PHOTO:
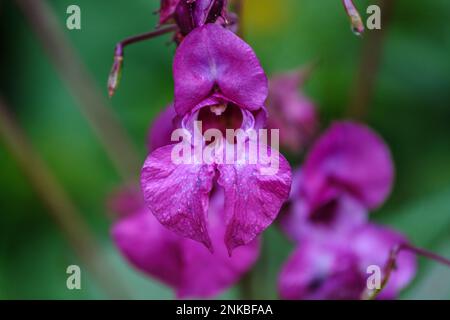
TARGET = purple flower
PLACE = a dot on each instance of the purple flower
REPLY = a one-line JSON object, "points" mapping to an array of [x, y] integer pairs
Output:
{"points": [[336, 267], [348, 172], [291, 111], [184, 265], [191, 14], [219, 81]]}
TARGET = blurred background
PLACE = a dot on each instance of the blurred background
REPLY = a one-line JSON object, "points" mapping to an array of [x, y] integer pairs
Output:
{"points": [[47, 86]]}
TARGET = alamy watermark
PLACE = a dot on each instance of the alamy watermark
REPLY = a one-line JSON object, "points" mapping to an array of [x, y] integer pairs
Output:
{"points": [[73, 21], [374, 280], [238, 147], [73, 281]]}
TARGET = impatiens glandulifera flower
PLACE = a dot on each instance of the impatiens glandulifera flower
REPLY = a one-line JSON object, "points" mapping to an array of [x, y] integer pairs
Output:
{"points": [[355, 19], [335, 267], [219, 81], [348, 172], [291, 111], [180, 263]]}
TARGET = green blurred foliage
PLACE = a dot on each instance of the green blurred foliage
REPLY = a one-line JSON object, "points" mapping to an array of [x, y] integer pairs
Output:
{"points": [[410, 109]]}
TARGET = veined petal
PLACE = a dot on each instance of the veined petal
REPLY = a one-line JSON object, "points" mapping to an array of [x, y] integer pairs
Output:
{"points": [[252, 199], [212, 58], [206, 274], [178, 194]]}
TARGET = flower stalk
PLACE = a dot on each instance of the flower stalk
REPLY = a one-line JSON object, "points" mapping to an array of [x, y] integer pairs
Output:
{"points": [[116, 70]]}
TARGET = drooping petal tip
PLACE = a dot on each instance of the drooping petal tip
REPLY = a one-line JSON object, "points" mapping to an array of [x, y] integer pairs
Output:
{"points": [[252, 200], [178, 194]]}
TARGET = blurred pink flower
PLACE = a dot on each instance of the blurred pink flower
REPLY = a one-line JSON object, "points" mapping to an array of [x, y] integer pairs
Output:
{"points": [[348, 172], [291, 111], [183, 264], [335, 267]]}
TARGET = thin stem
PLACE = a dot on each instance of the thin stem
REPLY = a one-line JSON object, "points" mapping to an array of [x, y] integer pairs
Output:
{"points": [[427, 254], [146, 36], [60, 206], [114, 75], [93, 105], [391, 265], [368, 69]]}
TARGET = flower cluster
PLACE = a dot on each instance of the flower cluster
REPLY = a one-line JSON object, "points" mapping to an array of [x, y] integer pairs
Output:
{"points": [[347, 173], [196, 226]]}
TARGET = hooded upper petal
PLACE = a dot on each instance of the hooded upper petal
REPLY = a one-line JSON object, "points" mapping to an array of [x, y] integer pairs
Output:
{"points": [[178, 194], [212, 59], [253, 199], [349, 158]]}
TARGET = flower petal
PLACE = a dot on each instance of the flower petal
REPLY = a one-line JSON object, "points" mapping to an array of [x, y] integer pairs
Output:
{"points": [[321, 270], [212, 58], [149, 246], [339, 214], [252, 199], [206, 274], [373, 245], [178, 194], [183, 264], [352, 158]]}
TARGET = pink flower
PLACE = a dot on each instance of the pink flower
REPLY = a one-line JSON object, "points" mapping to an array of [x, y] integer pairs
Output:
{"points": [[336, 267], [291, 111], [183, 264], [219, 81], [347, 173]]}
